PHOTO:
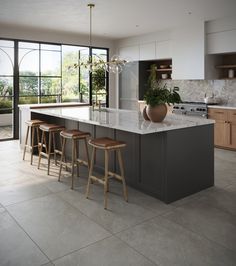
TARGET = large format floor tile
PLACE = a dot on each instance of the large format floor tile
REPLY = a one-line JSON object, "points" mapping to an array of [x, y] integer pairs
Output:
{"points": [[208, 221], [110, 251], [16, 248], [57, 227], [120, 214], [167, 243], [16, 193]]}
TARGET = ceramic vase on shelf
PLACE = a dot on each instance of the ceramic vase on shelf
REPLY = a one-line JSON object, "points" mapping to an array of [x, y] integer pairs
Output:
{"points": [[156, 113]]}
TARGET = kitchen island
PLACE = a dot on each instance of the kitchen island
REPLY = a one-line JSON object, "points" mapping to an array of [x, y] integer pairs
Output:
{"points": [[168, 160]]}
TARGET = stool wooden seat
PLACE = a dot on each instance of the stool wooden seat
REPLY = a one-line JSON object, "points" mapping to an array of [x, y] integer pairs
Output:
{"points": [[33, 127], [107, 145], [51, 129], [75, 135]]}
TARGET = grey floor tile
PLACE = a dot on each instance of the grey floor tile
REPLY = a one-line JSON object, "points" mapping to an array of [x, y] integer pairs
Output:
{"points": [[208, 221], [167, 243], [140, 199], [49, 264], [56, 227], [110, 251], [119, 215], [16, 248], [222, 198], [12, 194]]}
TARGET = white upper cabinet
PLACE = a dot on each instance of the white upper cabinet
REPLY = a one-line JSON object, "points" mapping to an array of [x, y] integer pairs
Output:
{"points": [[147, 51], [130, 52], [163, 50], [221, 42], [188, 49]]}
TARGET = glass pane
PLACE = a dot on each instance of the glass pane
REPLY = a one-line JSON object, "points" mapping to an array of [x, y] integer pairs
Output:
{"points": [[29, 86], [75, 81], [28, 62], [50, 63], [29, 45], [50, 86], [29, 99], [4, 43], [51, 47], [100, 53], [6, 104], [6, 61], [6, 87], [49, 99]]}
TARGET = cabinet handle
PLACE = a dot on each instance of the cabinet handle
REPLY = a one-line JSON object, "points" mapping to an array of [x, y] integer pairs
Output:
{"points": [[219, 112]]}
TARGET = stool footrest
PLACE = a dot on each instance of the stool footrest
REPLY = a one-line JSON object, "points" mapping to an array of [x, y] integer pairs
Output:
{"points": [[99, 180], [82, 162], [111, 174]]}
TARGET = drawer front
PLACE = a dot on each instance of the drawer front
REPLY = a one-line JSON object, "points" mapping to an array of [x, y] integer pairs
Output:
{"points": [[218, 114], [232, 115]]}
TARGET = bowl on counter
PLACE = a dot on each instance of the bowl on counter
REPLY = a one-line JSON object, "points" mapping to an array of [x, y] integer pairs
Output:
{"points": [[163, 66]]}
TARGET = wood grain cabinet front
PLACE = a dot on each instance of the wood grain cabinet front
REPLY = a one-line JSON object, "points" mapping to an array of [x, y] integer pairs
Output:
{"points": [[225, 127]]}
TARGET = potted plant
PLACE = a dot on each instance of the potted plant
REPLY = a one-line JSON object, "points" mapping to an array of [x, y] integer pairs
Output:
{"points": [[157, 97]]}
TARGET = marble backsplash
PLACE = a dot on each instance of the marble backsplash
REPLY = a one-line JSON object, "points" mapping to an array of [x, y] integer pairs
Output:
{"points": [[195, 90]]}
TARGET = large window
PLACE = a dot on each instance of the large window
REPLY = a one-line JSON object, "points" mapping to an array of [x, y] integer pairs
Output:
{"points": [[33, 72], [6, 89]]}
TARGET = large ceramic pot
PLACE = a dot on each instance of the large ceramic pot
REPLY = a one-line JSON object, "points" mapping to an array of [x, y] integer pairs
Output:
{"points": [[157, 113]]}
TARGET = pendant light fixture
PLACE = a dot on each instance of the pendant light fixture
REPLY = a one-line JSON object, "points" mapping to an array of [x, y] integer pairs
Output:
{"points": [[115, 65]]}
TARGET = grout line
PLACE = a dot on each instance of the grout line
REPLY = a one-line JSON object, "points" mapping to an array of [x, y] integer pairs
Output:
{"points": [[69, 253], [28, 235], [199, 234], [138, 252]]}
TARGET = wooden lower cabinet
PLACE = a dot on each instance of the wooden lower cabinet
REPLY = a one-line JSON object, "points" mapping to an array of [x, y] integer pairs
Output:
{"points": [[225, 127]]}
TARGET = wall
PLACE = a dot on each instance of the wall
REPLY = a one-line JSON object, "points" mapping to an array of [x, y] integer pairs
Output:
{"points": [[194, 90], [30, 34]]}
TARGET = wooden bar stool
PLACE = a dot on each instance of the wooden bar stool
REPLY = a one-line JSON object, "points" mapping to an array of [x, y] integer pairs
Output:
{"points": [[32, 127], [51, 129], [74, 135], [107, 145]]}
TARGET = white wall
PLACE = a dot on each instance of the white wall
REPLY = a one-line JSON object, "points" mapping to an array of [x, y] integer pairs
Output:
{"points": [[30, 34]]}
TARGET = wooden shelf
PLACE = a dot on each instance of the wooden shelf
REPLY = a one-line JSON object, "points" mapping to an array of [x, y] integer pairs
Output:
{"points": [[226, 66], [163, 69], [228, 78]]}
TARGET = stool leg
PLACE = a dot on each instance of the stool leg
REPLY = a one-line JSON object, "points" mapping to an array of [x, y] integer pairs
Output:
{"points": [[38, 138], [106, 179], [73, 164], [62, 156], [76, 157], [90, 172], [54, 147], [26, 140], [87, 153], [122, 175], [49, 150], [32, 144], [41, 148]]}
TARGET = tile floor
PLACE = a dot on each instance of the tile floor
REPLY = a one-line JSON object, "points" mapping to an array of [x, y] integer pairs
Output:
{"points": [[43, 222]]}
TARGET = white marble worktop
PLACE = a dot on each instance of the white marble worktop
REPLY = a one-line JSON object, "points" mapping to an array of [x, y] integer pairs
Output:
{"points": [[222, 107], [50, 105], [126, 120]]}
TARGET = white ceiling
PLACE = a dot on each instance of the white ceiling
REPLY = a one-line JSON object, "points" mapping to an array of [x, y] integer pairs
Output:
{"points": [[112, 18]]}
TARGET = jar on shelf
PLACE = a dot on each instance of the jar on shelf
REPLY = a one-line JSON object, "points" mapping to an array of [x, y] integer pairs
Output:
{"points": [[230, 73]]}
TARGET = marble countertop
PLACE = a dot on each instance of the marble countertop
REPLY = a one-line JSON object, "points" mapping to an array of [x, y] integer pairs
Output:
{"points": [[126, 120], [222, 107], [49, 105]]}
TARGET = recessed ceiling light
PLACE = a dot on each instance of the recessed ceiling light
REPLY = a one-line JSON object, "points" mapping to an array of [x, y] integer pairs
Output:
{"points": [[189, 12], [136, 26]]}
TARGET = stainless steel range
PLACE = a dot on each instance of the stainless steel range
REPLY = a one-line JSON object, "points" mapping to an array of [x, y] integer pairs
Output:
{"points": [[191, 108]]}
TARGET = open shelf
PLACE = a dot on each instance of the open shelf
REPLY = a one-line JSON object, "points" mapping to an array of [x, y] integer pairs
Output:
{"points": [[226, 66]]}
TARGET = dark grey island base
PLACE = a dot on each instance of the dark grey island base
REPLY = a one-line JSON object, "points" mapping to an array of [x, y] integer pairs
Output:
{"points": [[168, 165]]}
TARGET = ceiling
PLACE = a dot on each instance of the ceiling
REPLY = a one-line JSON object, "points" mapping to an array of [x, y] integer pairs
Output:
{"points": [[113, 19]]}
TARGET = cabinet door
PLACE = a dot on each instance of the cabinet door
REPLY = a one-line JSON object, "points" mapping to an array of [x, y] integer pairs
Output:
{"points": [[233, 135], [147, 51], [222, 133]]}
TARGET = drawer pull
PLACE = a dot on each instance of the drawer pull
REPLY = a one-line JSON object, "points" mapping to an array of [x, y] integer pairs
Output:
{"points": [[219, 112]]}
